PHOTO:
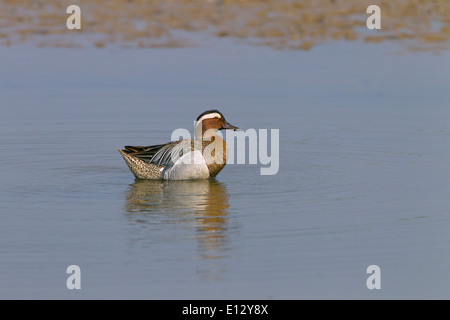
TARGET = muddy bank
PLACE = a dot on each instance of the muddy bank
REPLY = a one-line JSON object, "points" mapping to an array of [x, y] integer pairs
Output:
{"points": [[418, 24]]}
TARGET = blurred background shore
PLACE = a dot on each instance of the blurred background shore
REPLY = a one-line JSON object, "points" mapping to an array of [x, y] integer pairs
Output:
{"points": [[418, 24]]}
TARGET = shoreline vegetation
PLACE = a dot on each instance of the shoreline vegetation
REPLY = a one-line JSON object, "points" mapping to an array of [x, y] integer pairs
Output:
{"points": [[422, 25]]}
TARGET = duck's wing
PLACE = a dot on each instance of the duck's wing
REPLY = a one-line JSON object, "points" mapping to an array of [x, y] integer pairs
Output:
{"points": [[145, 153], [162, 155]]}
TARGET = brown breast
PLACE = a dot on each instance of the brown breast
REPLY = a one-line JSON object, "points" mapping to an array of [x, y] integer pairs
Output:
{"points": [[215, 153]]}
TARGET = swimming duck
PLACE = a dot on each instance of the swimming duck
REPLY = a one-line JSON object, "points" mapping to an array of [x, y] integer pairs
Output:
{"points": [[200, 158]]}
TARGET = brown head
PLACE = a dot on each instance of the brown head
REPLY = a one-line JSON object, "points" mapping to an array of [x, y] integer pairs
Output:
{"points": [[211, 120]]}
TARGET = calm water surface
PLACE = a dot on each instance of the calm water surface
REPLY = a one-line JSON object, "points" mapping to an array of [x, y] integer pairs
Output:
{"points": [[364, 173]]}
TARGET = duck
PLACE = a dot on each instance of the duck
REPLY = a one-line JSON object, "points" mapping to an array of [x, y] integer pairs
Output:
{"points": [[188, 159]]}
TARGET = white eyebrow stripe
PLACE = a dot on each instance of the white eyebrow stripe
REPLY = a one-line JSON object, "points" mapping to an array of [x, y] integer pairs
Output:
{"points": [[210, 116]]}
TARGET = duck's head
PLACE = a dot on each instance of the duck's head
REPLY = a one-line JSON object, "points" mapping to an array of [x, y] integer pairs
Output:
{"points": [[211, 120]]}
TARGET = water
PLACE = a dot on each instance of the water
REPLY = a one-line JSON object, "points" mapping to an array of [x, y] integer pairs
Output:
{"points": [[364, 174]]}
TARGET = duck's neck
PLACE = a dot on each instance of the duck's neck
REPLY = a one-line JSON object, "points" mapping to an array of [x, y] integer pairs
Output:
{"points": [[214, 148]]}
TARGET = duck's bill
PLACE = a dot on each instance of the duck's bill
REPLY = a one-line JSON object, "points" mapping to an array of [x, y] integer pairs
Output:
{"points": [[230, 127]]}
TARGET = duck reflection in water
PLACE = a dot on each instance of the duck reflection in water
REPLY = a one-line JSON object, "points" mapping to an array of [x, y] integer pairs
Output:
{"points": [[201, 205]]}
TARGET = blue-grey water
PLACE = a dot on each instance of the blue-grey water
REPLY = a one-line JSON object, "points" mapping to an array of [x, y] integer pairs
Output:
{"points": [[364, 173]]}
